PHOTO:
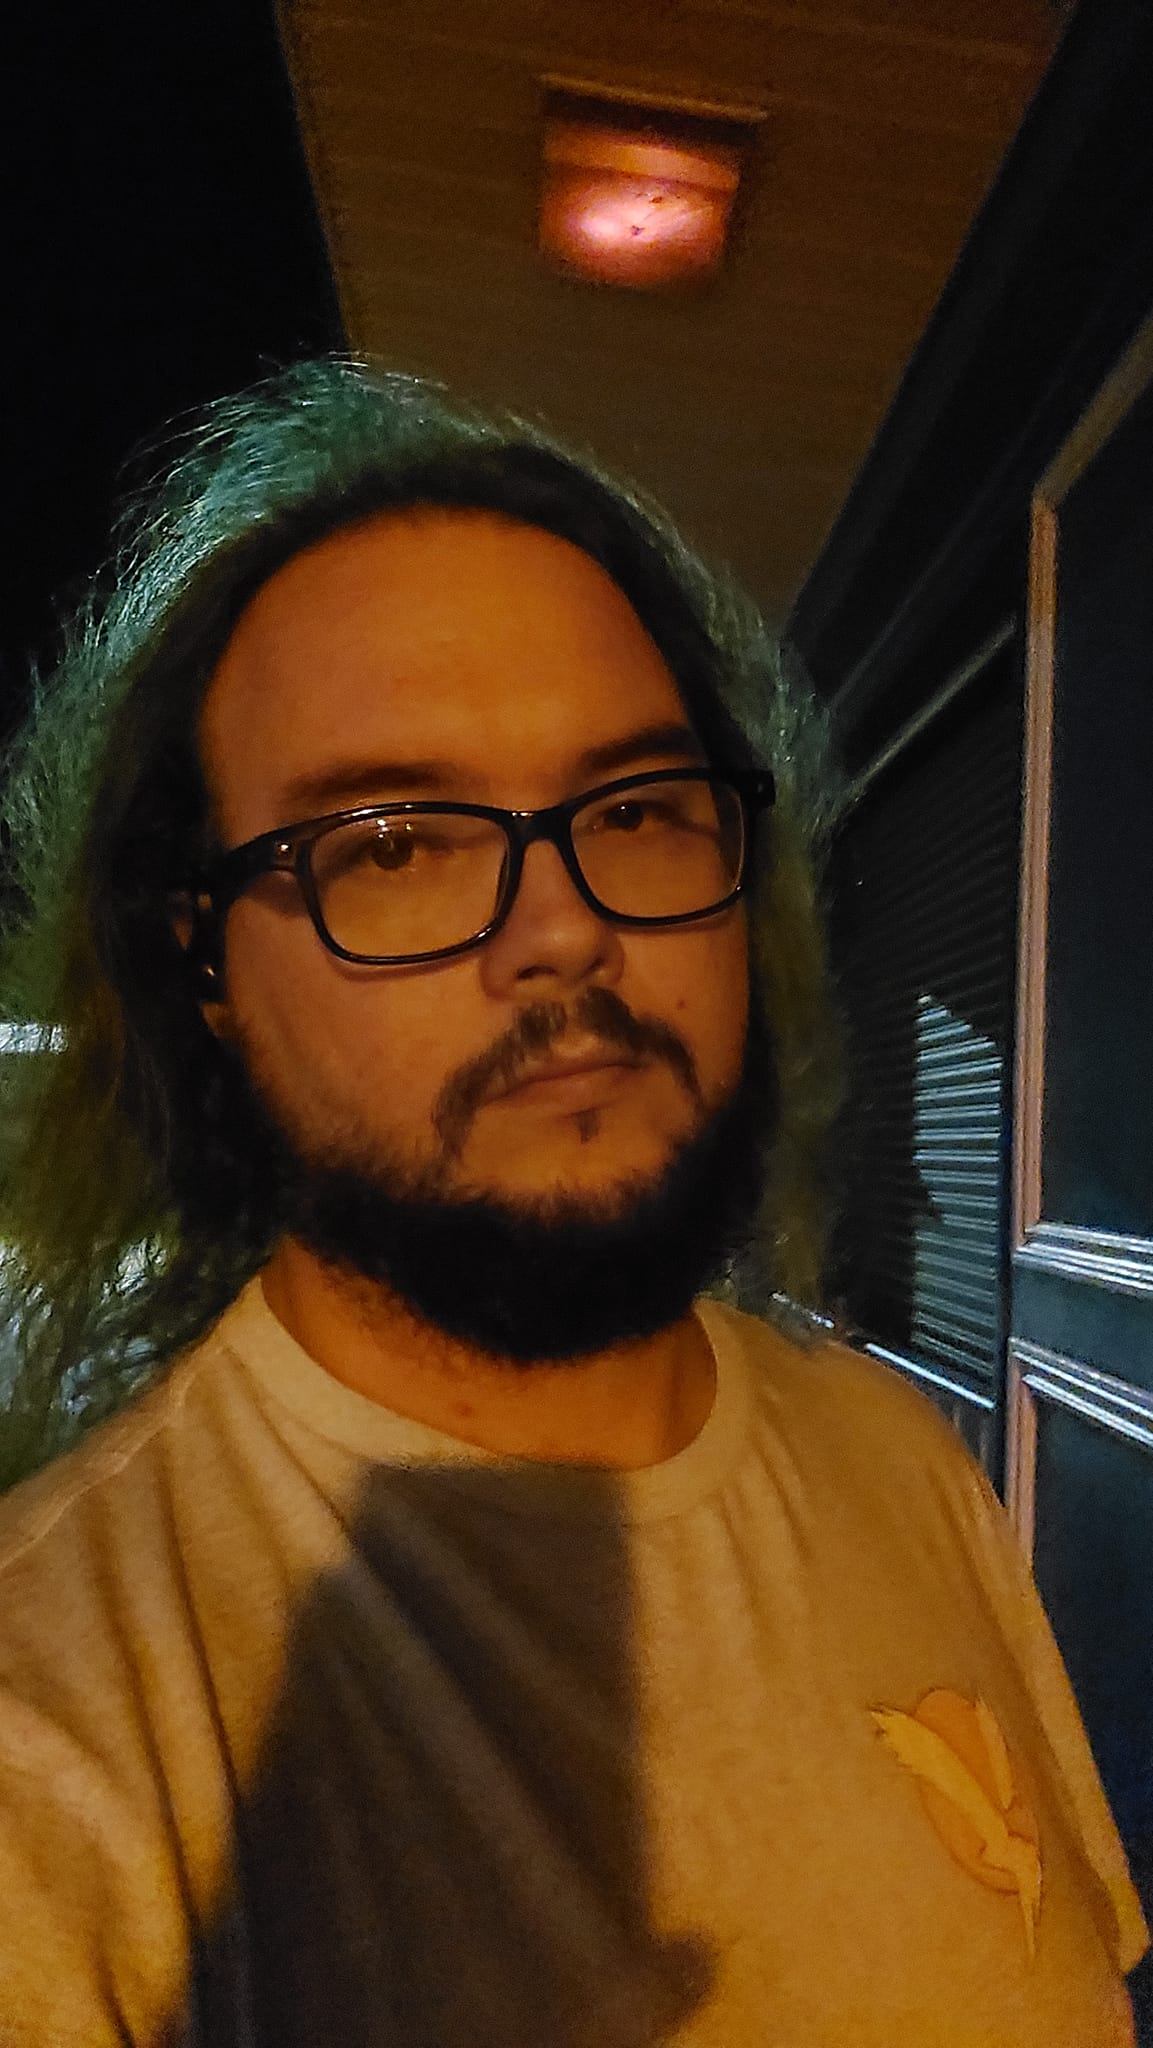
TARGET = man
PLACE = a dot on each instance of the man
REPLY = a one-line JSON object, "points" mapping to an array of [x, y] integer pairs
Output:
{"points": [[474, 1635]]}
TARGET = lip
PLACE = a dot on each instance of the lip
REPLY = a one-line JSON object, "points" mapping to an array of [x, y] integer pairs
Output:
{"points": [[555, 1074]]}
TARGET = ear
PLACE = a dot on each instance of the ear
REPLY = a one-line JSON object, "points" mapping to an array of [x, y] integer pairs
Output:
{"points": [[195, 928]]}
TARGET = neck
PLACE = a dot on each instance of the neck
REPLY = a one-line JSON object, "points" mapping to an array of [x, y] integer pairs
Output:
{"points": [[633, 1405]]}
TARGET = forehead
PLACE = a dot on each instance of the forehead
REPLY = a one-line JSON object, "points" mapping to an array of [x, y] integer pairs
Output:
{"points": [[461, 638]]}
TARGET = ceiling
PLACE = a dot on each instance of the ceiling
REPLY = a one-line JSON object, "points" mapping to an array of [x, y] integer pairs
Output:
{"points": [[747, 405]]}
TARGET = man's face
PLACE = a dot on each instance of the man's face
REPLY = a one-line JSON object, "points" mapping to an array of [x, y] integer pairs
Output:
{"points": [[464, 656]]}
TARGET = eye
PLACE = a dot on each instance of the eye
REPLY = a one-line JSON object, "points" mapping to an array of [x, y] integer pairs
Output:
{"points": [[392, 847], [626, 816]]}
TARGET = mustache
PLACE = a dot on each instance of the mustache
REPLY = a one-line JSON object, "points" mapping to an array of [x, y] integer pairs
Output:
{"points": [[598, 1012]]}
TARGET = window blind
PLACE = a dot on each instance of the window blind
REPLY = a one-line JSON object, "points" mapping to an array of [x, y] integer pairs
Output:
{"points": [[925, 950]]}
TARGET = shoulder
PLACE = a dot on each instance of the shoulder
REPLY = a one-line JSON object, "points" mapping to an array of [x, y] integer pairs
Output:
{"points": [[876, 1462], [38, 1514], [846, 1404]]}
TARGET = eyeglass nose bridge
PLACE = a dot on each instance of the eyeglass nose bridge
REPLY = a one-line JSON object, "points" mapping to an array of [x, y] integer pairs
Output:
{"points": [[554, 823]]}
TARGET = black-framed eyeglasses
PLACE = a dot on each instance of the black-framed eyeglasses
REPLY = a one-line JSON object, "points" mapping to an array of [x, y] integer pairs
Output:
{"points": [[392, 885]]}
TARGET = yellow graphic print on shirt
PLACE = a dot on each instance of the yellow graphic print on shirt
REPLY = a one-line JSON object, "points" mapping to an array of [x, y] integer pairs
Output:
{"points": [[956, 1752]]}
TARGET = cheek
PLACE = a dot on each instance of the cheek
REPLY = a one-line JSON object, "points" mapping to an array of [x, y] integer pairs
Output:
{"points": [[705, 995], [339, 1040]]}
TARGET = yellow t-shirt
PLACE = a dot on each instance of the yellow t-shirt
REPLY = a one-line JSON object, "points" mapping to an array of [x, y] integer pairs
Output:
{"points": [[320, 1727]]}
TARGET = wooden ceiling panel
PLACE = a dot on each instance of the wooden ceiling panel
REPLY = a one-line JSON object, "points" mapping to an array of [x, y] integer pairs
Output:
{"points": [[748, 404], [808, 340], [621, 397], [941, 84], [1021, 26], [817, 316]]}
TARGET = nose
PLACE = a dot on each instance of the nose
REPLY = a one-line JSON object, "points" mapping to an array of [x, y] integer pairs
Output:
{"points": [[552, 942]]}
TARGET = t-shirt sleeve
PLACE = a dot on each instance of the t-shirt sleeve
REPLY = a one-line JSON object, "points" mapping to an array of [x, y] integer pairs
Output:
{"points": [[51, 1990], [1010, 1587], [70, 1859]]}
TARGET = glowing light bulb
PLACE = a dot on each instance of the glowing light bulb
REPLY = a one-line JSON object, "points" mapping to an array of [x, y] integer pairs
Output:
{"points": [[622, 209]]}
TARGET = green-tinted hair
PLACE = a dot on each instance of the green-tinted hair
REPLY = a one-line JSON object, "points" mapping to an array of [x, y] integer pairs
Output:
{"points": [[133, 1197]]}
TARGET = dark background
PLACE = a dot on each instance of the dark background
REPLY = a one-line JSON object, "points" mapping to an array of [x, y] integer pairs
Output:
{"points": [[160, 247], [1099, 995]]}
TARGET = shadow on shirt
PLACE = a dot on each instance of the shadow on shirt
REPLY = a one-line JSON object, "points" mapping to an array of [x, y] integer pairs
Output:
{"points": [[445, 1843]]}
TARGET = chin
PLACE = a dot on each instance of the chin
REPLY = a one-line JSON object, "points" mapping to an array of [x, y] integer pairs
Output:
{"points": [[556, 1270], [585, 1165], [545, 1237], [609, 1180]]}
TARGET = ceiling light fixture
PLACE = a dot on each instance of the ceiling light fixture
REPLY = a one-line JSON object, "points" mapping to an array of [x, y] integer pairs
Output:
{"points": [[638, 191]]}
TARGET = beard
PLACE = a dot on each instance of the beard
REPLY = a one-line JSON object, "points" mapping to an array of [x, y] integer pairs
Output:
{"points": [[558, 1277]]}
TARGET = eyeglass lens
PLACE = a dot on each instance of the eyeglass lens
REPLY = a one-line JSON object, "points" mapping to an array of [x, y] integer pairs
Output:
{"points": [[417, 882]]}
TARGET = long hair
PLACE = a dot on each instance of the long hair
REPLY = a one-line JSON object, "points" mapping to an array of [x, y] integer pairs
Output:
{"points": [[134, 1192]]}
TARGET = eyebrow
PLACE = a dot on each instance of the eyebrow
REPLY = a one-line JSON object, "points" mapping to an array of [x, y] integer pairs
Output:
{"points": [[670, 738], [361, 780]]}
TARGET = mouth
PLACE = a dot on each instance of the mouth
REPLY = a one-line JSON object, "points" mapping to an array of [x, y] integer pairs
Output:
{"points": [[574, 1075]]}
